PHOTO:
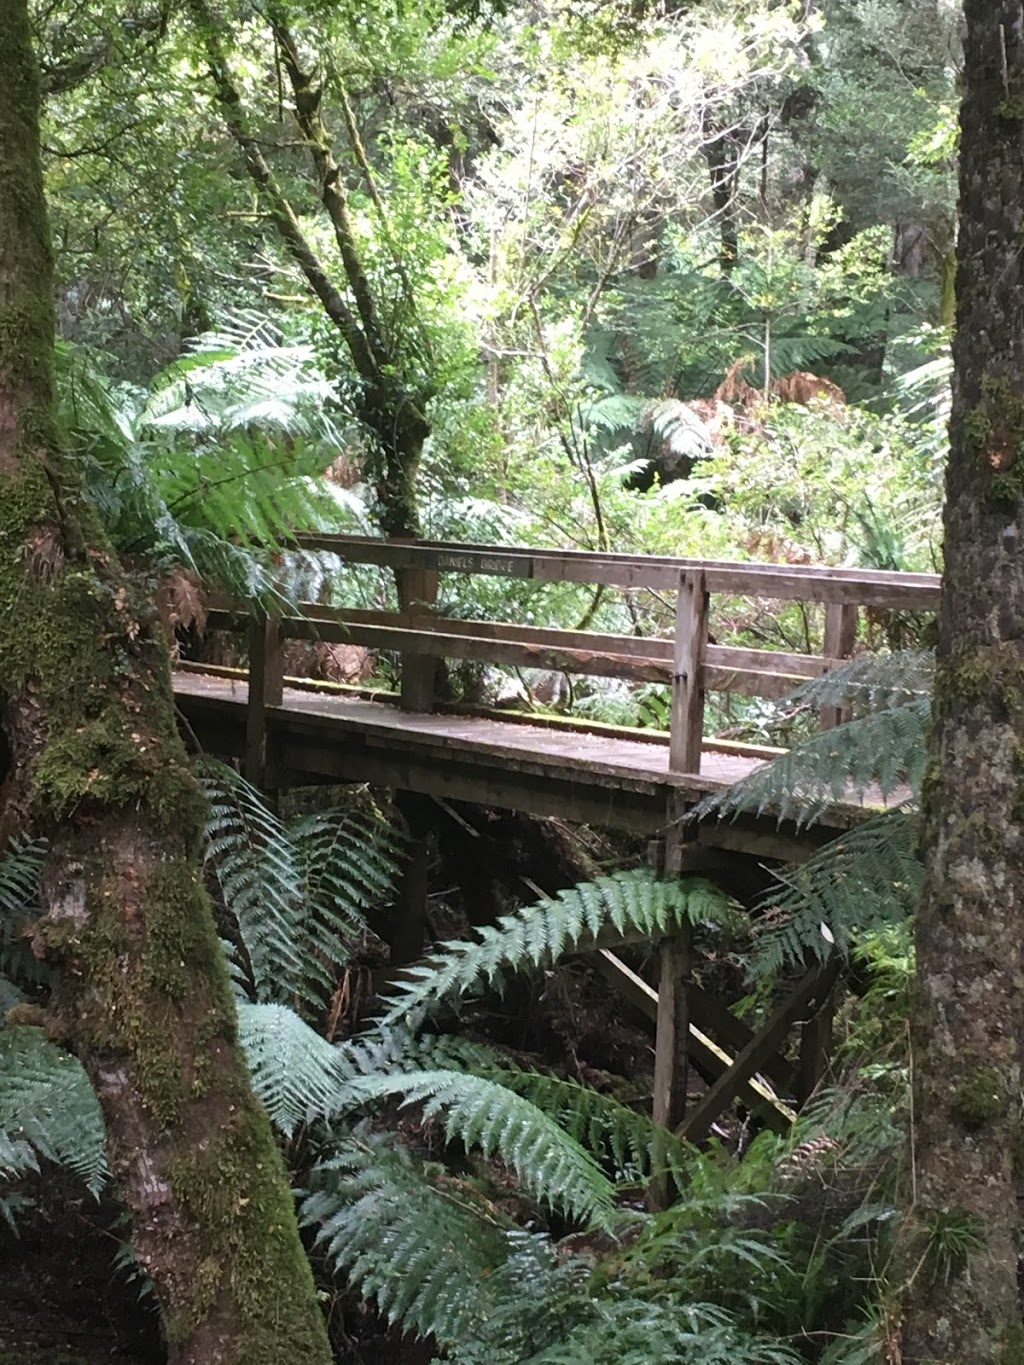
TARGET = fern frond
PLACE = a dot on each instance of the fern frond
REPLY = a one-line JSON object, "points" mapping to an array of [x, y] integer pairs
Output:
{"points": [[422, 1244], [869, 759], [298, 894], [864, 881], [19, 876], [482, 1113], [876, 682], [675, 423], [347, 863], [46, 1101], [623, 1138], [297, 1075], [253, 861], [633, 901], [630, 1329]]}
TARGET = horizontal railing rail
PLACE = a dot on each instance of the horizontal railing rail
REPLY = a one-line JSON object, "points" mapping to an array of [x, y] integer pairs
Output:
{"points": [[688, 663], [790, 582]]}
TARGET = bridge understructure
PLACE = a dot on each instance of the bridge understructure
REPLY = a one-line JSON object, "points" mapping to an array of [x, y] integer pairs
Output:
{"points": [[290, 731]]}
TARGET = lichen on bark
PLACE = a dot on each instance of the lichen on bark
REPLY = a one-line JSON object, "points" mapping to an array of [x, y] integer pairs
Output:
{"points": [[968, 1017], [95, 763]]}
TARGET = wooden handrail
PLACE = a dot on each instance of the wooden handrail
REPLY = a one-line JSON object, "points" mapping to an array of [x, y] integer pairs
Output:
{"points": [[689, 663], [790, 582]]}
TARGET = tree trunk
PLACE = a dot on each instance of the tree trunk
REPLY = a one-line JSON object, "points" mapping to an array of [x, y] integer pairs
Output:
{"points": [[91, 758], [962, 1230]]}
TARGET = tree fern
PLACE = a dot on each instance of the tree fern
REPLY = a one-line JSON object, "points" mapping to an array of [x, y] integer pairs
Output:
{"points": [[19, 876], [296, 1074], [244, 374], [221, 460], [876, 682], [48, 1103], [625, 1139], [19, 881], [869, 759], [626, 1329], [483, 1114], [859, 883], [297, 894], [540, 934], [420, 1243], [255, 866]]}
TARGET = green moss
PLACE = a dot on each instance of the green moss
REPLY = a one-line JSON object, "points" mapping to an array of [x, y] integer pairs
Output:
{"points": [[994, 433], [1011, 108], [247, 1239], [1011, 1347], [979, 1101], [994, 672]]}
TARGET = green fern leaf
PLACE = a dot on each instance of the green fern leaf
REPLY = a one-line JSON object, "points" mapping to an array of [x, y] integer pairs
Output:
{"points": [[423, 1245], [865, 881], [540, 934], [47, 1102], [296, 1074], [481, 1113], [869, 759]]}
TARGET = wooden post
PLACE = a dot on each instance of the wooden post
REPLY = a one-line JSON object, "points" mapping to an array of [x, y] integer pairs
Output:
{"points": [[417, 595], [672, 1019], [815, 1049], [407, 930], [266, 688], [686, 727], [840, 638]]}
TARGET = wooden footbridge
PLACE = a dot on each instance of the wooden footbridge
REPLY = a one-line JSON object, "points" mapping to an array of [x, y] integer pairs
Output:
{"points": [[288, 731]]}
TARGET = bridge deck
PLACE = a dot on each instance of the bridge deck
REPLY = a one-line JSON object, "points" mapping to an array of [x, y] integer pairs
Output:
{"points": [[582, 776]]}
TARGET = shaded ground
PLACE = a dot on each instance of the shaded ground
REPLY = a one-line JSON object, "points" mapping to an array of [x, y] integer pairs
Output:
{"points": [[63, 1298]]}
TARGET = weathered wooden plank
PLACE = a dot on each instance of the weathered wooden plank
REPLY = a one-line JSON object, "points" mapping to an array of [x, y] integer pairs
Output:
{"points": [[686, 726], [840, 638], [724, 657], [707, 1056], [417, 591], [815, 1050], [266, 688], [782, 581], [433, 644], [815, 985], [672, 1032]]}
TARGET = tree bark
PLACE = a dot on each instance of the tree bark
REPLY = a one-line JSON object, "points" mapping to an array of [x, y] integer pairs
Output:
{"points": [[91, 758], [392, 410], [962, 1232]]}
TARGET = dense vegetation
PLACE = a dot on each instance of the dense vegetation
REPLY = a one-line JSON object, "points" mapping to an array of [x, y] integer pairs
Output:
{"points": [[664, 279]]}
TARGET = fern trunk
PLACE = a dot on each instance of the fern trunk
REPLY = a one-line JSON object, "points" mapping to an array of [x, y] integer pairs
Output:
{"points": [[963, 1227], [90, 757]]}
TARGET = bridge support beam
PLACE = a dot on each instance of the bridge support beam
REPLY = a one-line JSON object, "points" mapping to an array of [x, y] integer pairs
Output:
{"points": [[672, 1037], [266, 688], [408, 926]]}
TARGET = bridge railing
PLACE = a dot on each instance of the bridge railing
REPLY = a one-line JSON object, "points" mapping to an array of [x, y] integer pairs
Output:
{"points": [[689, 663]]}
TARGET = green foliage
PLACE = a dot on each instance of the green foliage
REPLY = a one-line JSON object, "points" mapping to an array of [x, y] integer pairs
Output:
{"points": [[296, 894], [19, 881], [871, 757], [538, 935], [481, 1113], [48, 1110], [217, 464], [622, 1138], [296, 1073], [863, 882]]}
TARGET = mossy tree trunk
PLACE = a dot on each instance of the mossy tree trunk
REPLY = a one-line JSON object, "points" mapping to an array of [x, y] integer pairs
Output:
{"points": [[90, 757], [391, 406], [967, 1156]]}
